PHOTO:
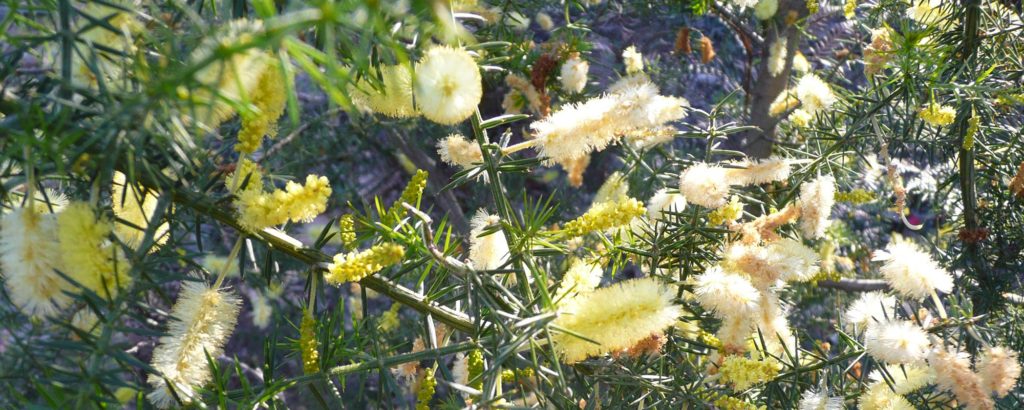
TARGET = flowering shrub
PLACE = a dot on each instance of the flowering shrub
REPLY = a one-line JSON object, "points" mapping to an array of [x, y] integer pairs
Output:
{"points": [[511, 204]]}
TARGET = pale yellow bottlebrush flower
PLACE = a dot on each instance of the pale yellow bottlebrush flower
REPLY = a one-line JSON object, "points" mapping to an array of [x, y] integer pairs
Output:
{"points": [[354, 266], [777, 57], [87, 254], [582, 277], [447, 85], [459, 151], [771, 323], [869, 309], [814, 94], [664, 201], [800, 63], [268, 99], [911, 271], [758, 172], [617, 317], [394, 99], [897, 342], [544, 21], [800, 118], [999, 369], [937, 115], [135, 205], [782, 260], [953, 374], [29, 255], [850, 9], [490, 251], [726, 294], [262, 310], [574, 73], [633, 60], [705, 185], [202, 320], [816, 200]]}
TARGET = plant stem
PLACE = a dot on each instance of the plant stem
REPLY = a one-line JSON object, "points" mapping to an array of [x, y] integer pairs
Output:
{"points": [[227, 265]]}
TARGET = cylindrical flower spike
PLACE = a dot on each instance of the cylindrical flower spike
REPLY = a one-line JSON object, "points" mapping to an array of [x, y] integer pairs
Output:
{"points": [[355, 266]]}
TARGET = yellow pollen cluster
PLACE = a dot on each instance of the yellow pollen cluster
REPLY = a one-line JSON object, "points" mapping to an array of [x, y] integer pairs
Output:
{"points": [[347, 229], [308, 344], [355, 266], [605, 215], [742, 372], [938, 115], [727, 213], [298, 203], [269, 98], [411, 195]]}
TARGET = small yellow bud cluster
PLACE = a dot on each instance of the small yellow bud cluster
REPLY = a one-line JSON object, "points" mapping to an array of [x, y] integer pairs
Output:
{"points": [[725, 402], [856, 196], [355, 266], [726, 214], [248, 176], [510, 376], [475, 365], [298, 203], [605, 215], [269, 98], [347, 228], [938, 115], [426, 390], [742, 372], [308, 344], [411, 195], [389, 320]]}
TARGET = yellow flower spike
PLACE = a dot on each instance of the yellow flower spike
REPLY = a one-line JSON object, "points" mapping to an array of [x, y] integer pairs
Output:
{"points": [[742, 372], [604, 216], [389, 321], [308, 343], [347, 227], [269, 98], [355, 266], [87, 254], [426, 390], [937, 115], [475, 366], [411, 195]]}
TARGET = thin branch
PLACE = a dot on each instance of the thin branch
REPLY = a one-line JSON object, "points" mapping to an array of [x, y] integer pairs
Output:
{"points": [[854, 285]]}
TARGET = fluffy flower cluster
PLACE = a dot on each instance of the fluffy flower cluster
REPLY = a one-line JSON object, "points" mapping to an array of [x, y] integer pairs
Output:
{"points": [[777, 57], [616, 317], [297, 203], [758, 172], [91, 63], [814, 94], [897, 342], [87, 254], [202, 321], [487, 251], [393, 98], [708, 185], [29, 254], [870, 308], [578, 129], [911, 271], [574, 74], [664, 201], [459, 151], [953, 373], [820, 400], [355, 266], [448, 86], [928, 12], [816, 200], [581, 278], [268, 99], [633, 59]]}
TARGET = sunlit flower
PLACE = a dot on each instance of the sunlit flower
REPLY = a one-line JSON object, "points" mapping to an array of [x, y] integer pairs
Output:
{"points": [[297, 203], [800, 63], [911, 271], [705, 185], [616, 317], [226, 82], [487, 251], [999, 369], [308, 343], [800, 118], [820, 400], [91, 62], [544, 21], [929, 12], [459, 151], [605, 215], [814, 94], [938, 115], [268, 99], [28, 256], [878, 396], [897, 341], [879, 52], [614, 189], [201, 322], [816, 200], [727, 294], [448, 86], [728, 213], [354, 266], [633, 59], [953, 373], [582, 277], [574, 74], [742, 372], [663, 201], [759, 171], [905, 379], [870, 308]]}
